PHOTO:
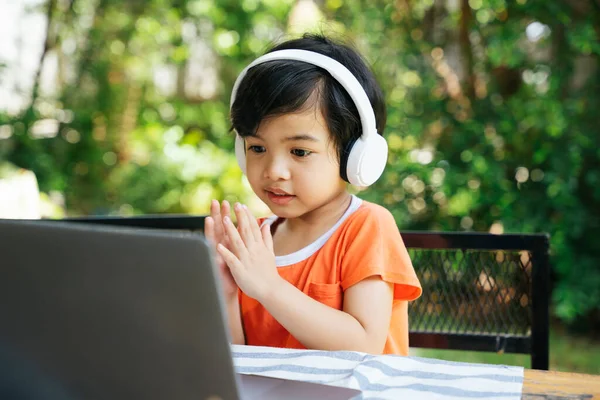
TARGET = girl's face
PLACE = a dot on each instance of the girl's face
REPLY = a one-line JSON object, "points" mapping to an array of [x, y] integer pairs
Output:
{"points": [[291, 164]]}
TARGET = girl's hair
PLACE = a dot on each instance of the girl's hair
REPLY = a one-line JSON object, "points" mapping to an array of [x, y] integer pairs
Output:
{"points": [[280, 87]]}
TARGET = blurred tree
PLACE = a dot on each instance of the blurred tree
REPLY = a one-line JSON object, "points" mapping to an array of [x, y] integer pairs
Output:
{"points": [[492, 124], [492, 112]]}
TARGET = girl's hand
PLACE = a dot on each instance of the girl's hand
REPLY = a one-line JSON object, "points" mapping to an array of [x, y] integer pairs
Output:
{"points": [[250, 255], [215, 234]]}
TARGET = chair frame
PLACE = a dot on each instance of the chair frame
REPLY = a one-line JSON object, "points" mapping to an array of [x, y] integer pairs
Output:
{"points": [[536, 344]]}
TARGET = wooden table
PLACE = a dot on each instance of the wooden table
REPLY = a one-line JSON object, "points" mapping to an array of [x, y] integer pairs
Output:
{"points": [[553, 385]]}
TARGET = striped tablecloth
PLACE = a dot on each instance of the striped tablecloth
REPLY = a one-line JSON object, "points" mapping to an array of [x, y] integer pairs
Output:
{"points": [[384, 377]]}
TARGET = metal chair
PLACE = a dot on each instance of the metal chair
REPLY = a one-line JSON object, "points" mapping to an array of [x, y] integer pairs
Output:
{"points": [[482, 292]]}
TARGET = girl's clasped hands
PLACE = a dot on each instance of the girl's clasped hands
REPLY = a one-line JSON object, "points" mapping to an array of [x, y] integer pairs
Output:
{"points": [[244, 254]]}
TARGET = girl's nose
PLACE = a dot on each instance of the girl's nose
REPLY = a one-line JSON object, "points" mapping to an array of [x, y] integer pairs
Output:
{"points": [[277, 169]]}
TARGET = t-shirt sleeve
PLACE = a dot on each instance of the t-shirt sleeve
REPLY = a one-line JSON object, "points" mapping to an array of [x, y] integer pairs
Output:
{"points": [[375, 248]]}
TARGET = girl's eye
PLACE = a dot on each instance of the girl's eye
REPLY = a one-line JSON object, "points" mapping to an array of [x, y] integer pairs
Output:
{"points": [[301, 152], [256, 149]]}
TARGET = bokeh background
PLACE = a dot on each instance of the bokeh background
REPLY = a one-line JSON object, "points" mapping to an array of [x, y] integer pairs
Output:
{"points": [[121, 108]]}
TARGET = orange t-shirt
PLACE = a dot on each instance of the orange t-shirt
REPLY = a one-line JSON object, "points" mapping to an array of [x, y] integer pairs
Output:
{"points": [[365, 242]]}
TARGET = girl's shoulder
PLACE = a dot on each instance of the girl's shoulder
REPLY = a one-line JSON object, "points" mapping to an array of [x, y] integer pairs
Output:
{"points": [[371, 215]]}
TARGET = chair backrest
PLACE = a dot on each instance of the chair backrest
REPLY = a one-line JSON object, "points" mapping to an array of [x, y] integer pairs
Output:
{"points": [[481, 292]]}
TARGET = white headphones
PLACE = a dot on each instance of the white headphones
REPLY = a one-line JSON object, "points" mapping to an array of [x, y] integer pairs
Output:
{"points": [[366, 158]]}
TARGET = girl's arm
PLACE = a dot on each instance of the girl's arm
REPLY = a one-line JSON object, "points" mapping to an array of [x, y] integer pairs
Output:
{"points": [[363, 324], [234, 319]]}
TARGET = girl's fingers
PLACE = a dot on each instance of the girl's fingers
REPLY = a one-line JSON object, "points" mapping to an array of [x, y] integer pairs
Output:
{"points": [[225, 211], [265, 231], [225, 208], [215, 213], [209, 229], [215, 210], [209, 233], [253, 224], [236, 243], [226, 242], [244, 225], [231, 260]]}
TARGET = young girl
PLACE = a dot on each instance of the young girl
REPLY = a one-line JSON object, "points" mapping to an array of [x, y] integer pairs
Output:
{"points": [[328, 270]]}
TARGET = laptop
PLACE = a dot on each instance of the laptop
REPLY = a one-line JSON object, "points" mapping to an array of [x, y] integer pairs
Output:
{"points": [[89, 311]]}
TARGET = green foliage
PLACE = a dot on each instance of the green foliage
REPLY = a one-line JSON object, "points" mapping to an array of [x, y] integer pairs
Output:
{"points": [[487, 130], [514, 147]]}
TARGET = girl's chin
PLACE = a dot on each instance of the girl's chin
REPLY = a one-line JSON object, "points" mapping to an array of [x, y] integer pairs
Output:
{"points": [[283, 211]]}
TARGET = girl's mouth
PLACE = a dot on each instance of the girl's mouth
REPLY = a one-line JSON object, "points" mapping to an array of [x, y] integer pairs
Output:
{"points": [[280, 199]]}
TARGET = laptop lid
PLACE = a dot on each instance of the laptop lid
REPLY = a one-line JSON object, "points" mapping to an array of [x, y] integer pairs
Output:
{"points": [[193, 223], [98, 312]]}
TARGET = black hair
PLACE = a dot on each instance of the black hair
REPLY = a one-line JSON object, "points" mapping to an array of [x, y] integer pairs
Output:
{"points": [[283, 86]]}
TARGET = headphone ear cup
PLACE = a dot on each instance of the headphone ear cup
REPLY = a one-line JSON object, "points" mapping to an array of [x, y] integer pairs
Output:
{"points": [[240, 152], [367, 160]]}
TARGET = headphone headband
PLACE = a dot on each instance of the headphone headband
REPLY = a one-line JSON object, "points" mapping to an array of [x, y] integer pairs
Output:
{"points": [[335, 68]]}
